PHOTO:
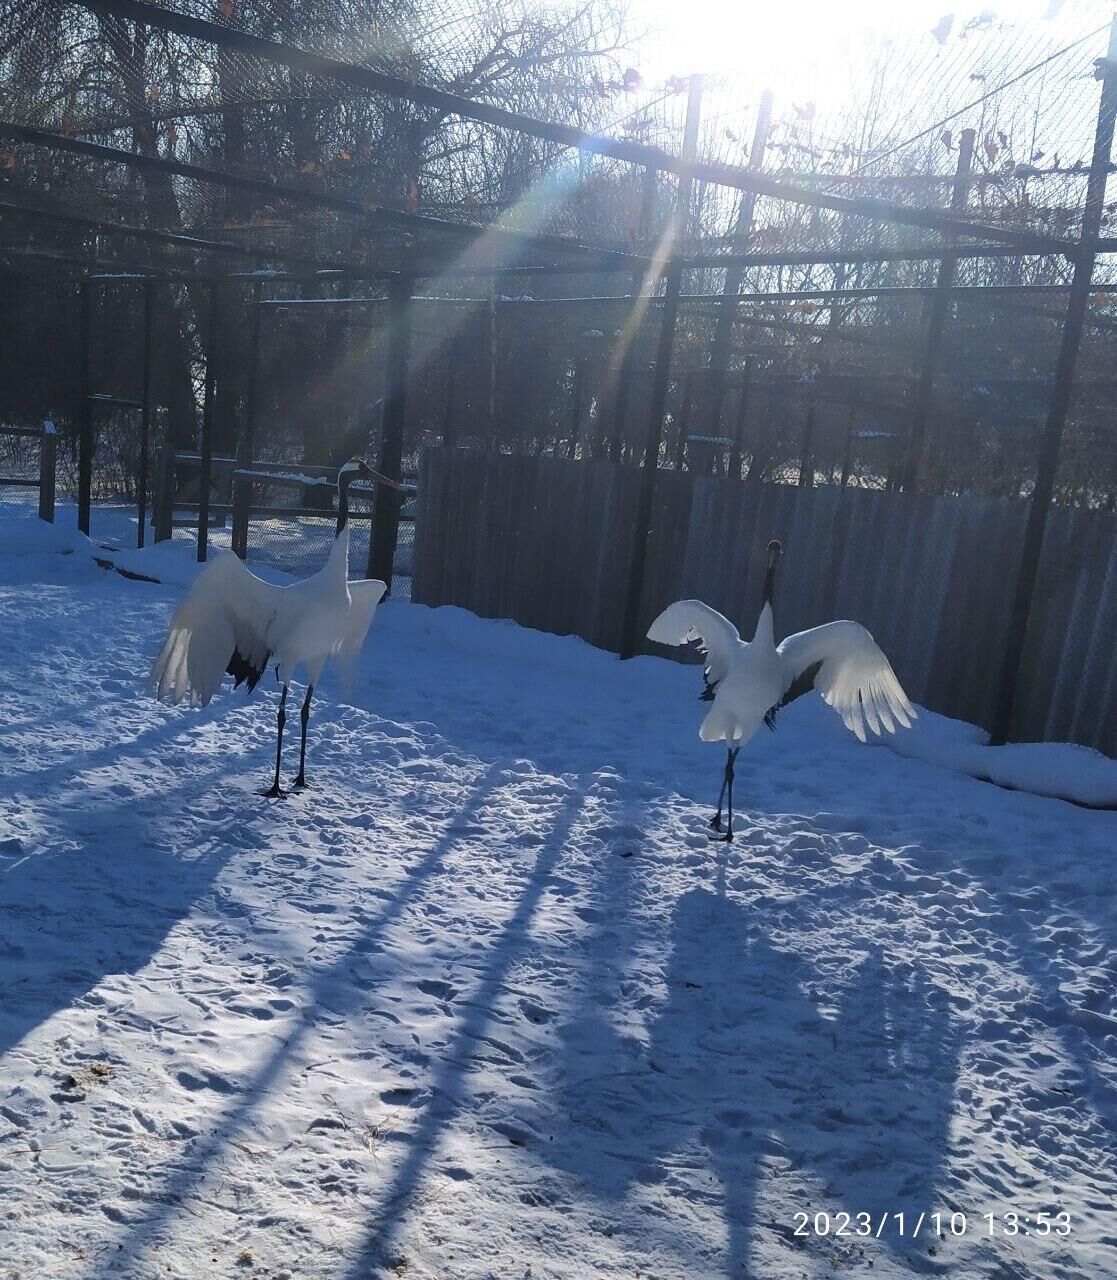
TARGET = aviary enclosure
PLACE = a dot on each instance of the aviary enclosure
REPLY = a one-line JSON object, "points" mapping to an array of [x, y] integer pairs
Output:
{"points": [[617, 334]]}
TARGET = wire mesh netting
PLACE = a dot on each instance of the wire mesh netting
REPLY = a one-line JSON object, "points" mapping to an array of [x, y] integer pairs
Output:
{"points": [[1026, 88], [19, 475], [135, 150]]}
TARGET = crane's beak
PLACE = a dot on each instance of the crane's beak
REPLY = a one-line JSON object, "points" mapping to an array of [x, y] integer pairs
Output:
{"points": [[377, 477]]}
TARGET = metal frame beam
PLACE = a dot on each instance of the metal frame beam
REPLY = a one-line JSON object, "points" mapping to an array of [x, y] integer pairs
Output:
{"points": [[566, 135], [687, 262], [392, 219], [100, 226]]}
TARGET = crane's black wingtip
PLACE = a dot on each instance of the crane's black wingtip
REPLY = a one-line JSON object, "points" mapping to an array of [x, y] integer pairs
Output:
{"points": [[245, 672]]}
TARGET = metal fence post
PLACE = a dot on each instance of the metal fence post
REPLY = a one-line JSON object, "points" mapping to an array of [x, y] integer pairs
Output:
{"points": [[727, 311], [806, 449], [48, 461], [494, 366], [626, 374], [207, 428], [577, 405], [85, 410], [145, 413], [246, 445], [684, 405], [385, 521], [847, 455], [450, 411], [162, 513], [940, 304], [740, 422], [1062, 388], [630, 640]]}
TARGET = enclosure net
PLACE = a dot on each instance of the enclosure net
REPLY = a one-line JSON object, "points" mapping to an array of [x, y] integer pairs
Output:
{"points": [[1025, 88], [128, 149]]}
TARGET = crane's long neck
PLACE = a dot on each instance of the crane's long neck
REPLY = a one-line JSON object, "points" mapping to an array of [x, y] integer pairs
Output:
{"points": [[338, 562], [770, 584], [765, 624], [342, 504]]}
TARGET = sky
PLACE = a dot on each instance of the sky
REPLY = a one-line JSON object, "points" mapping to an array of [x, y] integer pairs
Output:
{"points": [[798, 43]]}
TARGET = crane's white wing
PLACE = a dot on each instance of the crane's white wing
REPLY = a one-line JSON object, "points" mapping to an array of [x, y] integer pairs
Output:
{"points": [[687, 620], [851, 673], [221, 626]]}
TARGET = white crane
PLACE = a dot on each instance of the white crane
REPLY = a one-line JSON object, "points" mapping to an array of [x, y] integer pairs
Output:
{"points": [[749, 682], [232, 622]]}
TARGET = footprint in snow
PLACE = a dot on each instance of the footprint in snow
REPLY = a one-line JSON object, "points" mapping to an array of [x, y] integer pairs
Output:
{"points": [[205, 1080], [536, 1013], [402, 1096]]}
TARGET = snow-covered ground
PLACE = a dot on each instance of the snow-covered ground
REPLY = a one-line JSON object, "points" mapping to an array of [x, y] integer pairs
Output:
{"points": [[486, 1003]]}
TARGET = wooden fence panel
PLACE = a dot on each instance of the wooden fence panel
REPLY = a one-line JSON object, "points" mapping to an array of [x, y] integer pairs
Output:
{"points": [[548, 543], [1070, 659]]}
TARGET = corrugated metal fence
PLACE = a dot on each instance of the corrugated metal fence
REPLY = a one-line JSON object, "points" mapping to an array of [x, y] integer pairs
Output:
{"points": [[548, 542]]}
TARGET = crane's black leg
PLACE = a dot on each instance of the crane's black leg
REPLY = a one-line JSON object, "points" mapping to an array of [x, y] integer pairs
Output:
{"points": [[715, 821], [726, 787], [304, 716], [281, 720]]}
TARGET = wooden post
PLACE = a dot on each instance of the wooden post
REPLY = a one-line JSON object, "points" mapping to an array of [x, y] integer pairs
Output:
{"points": [[207, 428], [1048, 462], [727, 311], [145, 412], [631, 638], [246, 445], [85, 409], [385, 523], [164, 497], [48, 461], [940, 305]]}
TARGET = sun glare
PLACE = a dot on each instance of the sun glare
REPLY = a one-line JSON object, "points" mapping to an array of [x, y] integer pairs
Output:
{"points": [[804, 41]]}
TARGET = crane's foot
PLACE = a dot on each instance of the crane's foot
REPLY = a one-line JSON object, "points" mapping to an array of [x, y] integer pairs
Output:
{"points": [[275, 792], [715, 822], [300, 783], [725, 839]]}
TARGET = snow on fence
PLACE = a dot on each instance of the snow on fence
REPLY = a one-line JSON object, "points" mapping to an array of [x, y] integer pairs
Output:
{"points": [[548, 543]]}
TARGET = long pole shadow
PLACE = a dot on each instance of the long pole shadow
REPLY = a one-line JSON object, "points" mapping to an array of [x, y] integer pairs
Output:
{"points": [[447, 1084], [53, 919], [186, 1179], [178, 725]]}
